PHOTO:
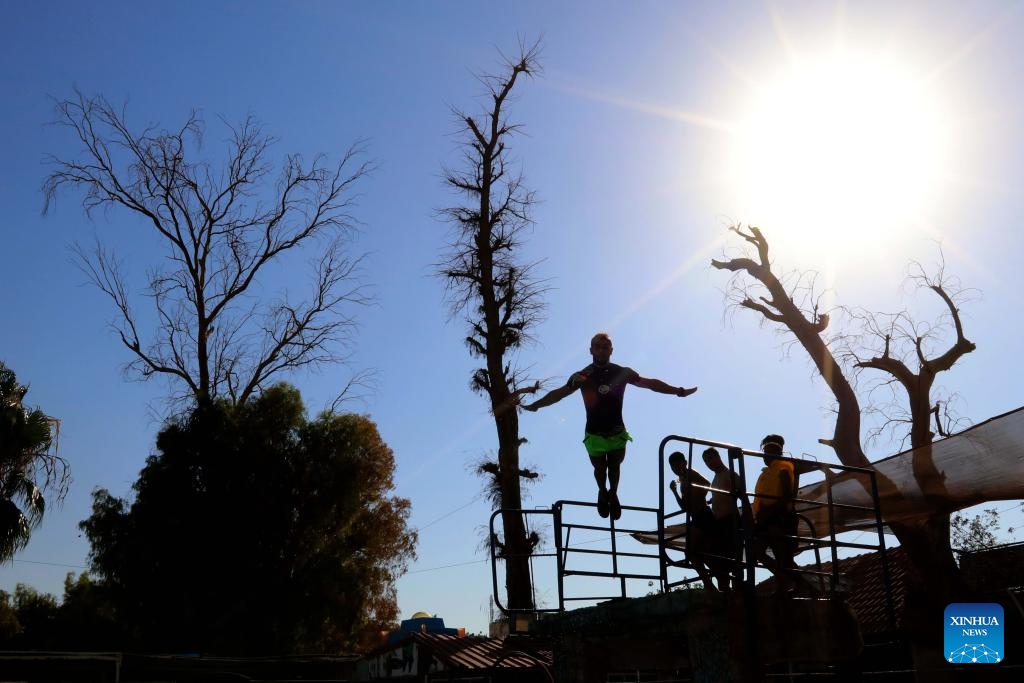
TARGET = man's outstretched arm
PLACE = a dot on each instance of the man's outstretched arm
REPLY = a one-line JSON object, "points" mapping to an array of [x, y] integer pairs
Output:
{"points": [[552, 397], [661, 387]]}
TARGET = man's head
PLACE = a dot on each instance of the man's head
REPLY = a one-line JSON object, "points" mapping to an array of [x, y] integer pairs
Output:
{"points": [[771, 446], [601, 348], [713, 460], [677, 463]]}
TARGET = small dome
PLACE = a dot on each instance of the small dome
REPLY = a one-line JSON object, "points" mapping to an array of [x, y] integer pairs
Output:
{"points": [[422, 615]]}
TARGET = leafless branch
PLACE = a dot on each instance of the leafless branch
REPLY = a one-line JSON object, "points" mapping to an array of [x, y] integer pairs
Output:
{"points": [[222, 228], [907, 353]]}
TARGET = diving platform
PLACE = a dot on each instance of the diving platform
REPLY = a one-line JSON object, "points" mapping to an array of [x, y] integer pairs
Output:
{"points": [[629, 597], [625, 602]]}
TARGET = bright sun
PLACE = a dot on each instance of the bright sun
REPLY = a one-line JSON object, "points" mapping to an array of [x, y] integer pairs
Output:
{"points": [[838, 152]]}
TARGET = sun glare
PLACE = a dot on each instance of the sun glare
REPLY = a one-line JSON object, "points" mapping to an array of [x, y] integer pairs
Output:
{"points": [[838, 152]]}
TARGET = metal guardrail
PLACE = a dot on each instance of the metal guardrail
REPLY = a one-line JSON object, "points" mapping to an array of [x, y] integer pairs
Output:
{"points": [[564, 551], [736, 462]]}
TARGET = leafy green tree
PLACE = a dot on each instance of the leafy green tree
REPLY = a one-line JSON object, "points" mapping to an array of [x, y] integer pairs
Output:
{"points": [[83, 621], [10, 627], [87, 620], [974, 533], [254, 531], [29, 465], [38, 615]]}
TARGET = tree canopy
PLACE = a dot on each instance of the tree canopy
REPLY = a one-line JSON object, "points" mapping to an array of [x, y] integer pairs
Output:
{"points": [[83, 621], [254, 530], [29, 465]]}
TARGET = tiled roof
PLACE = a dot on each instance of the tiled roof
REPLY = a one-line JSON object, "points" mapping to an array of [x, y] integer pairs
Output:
{"points": [[866, 597], [862, 582], [475, 652], [994, 569]]}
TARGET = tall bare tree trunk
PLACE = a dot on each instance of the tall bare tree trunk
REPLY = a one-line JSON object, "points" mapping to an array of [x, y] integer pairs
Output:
{"points": [[500, 298], [518, 547]]}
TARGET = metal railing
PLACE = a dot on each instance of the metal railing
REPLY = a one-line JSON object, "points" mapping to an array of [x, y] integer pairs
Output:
{"points": [[566, 554], [743, 527], [671, 553]]}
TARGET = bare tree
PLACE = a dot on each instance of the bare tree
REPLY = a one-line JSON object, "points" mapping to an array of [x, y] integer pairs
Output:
{"points": [[909, 354], [222, 228], [500, 297]]}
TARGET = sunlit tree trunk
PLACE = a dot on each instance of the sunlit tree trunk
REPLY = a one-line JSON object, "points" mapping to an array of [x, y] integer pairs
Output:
{"points": [[499, 296], [938, 579]]}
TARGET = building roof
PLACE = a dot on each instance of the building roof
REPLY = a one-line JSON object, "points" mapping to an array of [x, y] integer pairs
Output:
{"points": [[862, 581], [419, 624], [477, 652], [999, 567], [995, 569], [867, 596]]}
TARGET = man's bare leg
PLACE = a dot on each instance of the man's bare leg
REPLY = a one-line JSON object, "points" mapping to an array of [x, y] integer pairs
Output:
{"points": [[615, 459], [600, 463]]}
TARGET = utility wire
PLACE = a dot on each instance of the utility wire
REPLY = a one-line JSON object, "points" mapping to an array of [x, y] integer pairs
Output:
{"points": [[449, 514], [446, 566], [463, 564], [52, 564]]}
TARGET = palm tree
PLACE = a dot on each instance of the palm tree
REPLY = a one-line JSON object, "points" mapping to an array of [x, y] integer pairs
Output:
{"points": [[29, 465]]}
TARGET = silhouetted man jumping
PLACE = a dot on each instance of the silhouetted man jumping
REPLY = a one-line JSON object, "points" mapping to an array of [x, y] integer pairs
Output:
{"points": [[603, 385]]}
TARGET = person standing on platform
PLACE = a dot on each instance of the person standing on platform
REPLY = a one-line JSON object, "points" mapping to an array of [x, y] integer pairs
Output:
{"points": [[775, 520]]}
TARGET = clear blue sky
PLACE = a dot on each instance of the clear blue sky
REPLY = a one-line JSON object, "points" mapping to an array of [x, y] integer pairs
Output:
{"points": [[641, 138]]}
